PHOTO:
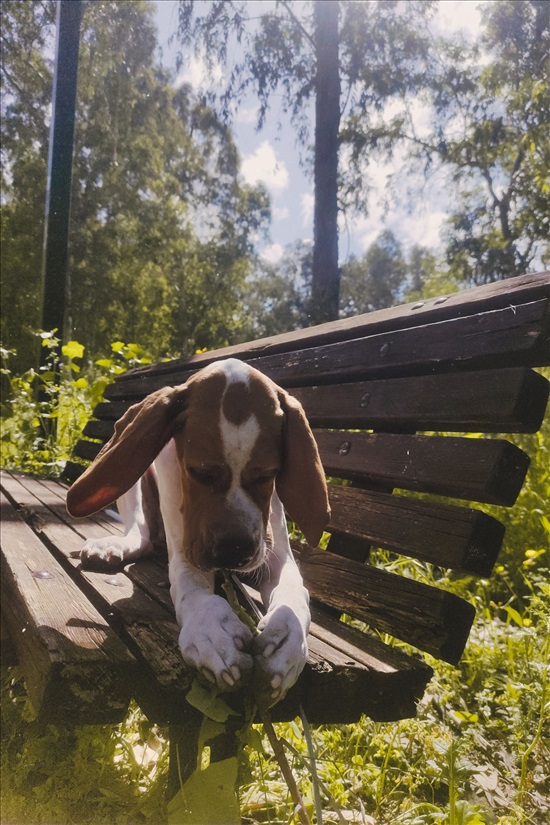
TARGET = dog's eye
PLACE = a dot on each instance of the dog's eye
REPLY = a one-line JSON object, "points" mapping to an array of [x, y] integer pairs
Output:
{"points": [[264, 478], [204, 475]]}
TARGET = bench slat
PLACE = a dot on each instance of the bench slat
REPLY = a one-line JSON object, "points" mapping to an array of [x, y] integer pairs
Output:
{"points": [[498, 338], [491, 401], [460, 538], [76, 668], [484, 470], [488, 401], [431, 619], [497, 295]]}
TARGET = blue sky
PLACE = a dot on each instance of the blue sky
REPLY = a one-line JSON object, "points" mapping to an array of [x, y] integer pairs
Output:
{"points": [[271, 156]]}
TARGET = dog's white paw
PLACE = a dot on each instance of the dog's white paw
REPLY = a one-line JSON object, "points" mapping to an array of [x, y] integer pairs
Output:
{"points": [[111, 551], [280, 653], [214, 641]]}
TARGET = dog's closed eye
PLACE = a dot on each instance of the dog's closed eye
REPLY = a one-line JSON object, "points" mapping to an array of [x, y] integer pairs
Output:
{"points": [[208, 476]]}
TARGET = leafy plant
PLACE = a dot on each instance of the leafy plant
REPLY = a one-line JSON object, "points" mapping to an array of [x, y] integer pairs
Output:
{"points": [[46, 409]]}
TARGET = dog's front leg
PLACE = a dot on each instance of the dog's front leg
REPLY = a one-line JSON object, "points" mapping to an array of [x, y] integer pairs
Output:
{"points": [[281, 647], [112, 551], [212, 639]]}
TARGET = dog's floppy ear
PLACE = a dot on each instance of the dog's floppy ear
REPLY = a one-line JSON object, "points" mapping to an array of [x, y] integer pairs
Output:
{"points": [[139, 437], [301, 484]]}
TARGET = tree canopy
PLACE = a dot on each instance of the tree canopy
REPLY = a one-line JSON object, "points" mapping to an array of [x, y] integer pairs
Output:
{"points": [[162, 223], [164, 228]]}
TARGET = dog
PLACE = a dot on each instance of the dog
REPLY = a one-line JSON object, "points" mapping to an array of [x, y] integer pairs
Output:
{"points": [[221, 456]]}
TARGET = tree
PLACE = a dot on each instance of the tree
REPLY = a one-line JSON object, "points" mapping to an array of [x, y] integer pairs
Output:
{"points": [[306, 51], [278, 297], [162, 226], [489, 105], [388, 275], [326, 280], [501, 156], [26, 36], [377, 280]]}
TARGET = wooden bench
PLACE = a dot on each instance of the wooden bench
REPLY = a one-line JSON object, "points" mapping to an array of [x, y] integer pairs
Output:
{"points": [[376, 388]]}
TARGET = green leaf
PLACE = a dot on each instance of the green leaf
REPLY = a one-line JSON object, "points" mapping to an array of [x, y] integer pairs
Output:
{"points": [[209, 730], [208, 701], [208, 797], [73, 350], [117, 346], [513, 615]]}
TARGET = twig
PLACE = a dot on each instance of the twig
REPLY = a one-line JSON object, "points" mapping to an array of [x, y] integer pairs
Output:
{"points": [[313, 767], [286, 770]]}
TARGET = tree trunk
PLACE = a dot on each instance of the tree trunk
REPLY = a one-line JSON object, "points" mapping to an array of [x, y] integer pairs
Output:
{"points": [[326, 275]]}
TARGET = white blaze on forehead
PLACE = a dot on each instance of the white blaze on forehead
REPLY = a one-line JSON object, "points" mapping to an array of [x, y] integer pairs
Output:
{"points": [[238, 442], [238, 439]]}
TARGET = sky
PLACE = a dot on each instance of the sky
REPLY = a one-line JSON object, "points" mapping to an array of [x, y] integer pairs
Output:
{"points": [[270, 156]]}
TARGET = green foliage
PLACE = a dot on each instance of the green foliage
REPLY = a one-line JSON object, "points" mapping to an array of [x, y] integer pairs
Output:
{"points": [[89, 775], [45, 410], [162, 224]]}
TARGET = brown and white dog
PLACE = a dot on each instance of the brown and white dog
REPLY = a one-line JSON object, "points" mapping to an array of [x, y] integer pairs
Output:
{"points": [[222, 455]]}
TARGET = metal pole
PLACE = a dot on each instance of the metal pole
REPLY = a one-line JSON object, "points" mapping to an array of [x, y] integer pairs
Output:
{"points": [[58, 193]]}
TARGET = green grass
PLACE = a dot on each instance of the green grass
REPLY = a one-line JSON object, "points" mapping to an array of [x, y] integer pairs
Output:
{"points": [[477, 752]]}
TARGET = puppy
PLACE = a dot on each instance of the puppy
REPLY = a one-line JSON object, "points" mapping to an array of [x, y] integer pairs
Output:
{"points": [[228, 452]]}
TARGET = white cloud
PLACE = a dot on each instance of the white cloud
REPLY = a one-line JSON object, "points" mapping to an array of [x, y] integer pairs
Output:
{"points": [[456, 15], [263, 166], [247, 115], [195, 72], [280, 213], [272, 253]]}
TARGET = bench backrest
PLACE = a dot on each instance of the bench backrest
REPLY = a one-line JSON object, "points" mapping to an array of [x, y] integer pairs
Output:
{"points": [[377, 390]]}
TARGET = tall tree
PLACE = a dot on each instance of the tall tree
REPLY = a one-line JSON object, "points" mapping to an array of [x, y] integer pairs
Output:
{"points": [[27, 37], [308, 50]]}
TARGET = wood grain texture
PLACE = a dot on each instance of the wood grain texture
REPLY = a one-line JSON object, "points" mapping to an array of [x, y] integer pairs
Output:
{"points": [[496, 338], [387, 602], [75, 666], [460, 538], [484, 470]]}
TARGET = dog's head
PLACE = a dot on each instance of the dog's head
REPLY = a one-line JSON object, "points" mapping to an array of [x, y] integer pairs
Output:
{"points": [[238, 437]]}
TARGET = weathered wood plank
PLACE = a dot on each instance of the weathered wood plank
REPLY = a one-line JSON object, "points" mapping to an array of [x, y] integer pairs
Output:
{"points": [[376, 686], [387, 602], [498, 295], [499, 338], [508, 401], [150, 632], [484, 470], [76, 669], [460, 538]]}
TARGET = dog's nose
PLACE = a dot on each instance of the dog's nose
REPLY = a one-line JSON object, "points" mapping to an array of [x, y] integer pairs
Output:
{"points": [[234, 552]]}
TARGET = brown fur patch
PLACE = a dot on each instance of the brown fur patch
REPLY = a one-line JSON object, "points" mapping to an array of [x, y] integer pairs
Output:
{"points": [[236, 405]]}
